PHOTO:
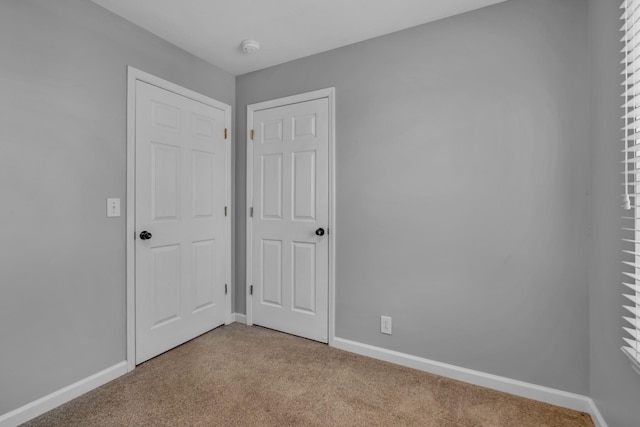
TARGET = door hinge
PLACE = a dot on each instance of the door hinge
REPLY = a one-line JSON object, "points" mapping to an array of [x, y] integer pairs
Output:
{"points": [[251, 290], [225, 211], [252, 134], [251, 212], [225, 289], [225, 133]]}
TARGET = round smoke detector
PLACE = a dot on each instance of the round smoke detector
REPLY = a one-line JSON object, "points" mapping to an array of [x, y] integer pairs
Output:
{"points": [[250, 46]]}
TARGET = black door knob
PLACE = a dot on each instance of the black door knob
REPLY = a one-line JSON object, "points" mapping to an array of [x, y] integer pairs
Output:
{"points": [[145, 235], [320, 232]]}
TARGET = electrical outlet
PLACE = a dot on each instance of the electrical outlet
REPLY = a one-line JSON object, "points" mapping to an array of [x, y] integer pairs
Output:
{"points": [[385, 325]]}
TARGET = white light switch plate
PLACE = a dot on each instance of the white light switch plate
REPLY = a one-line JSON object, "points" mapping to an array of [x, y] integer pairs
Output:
{"points": [[113, 208]]}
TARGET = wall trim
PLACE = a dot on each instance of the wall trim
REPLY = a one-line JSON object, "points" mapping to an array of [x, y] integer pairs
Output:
{"points": [[565, 399], [59, 397], [240, 318], [596, 416]]}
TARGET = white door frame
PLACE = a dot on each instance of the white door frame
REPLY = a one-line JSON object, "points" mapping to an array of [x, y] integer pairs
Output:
{"points": [[328, 93], [134, 75]]}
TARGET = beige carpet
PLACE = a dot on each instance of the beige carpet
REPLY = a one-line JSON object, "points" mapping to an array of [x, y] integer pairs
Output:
{"points": [[249, 376]]}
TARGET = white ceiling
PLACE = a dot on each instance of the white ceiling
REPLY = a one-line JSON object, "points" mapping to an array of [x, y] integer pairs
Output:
{"points": [[286, 29]]}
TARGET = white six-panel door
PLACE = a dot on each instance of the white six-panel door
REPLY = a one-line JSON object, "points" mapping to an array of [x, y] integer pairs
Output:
{"points": [[180, 194], [289, 244]]}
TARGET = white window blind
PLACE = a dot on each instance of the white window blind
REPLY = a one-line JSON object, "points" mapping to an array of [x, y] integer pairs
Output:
{"points": [[631, 172]]}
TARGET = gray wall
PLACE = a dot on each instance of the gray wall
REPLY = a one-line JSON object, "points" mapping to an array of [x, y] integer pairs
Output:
{"points": [[615, 388], [462, 188], [62, 152]]}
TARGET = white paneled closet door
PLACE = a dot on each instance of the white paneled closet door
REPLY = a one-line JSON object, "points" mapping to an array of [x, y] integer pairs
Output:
{"points": [[289, 243], [180, 219]]}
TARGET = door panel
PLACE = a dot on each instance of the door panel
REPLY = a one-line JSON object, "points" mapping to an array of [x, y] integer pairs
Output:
{"points": [[165, 181], [181, 190], [204, 191], [304, 277], [271, 277], [272, 186], [204, 259], [304, 186], [290, 191], [165, 284]]}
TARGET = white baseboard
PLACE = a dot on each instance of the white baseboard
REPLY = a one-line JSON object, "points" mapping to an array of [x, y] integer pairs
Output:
{"points": [[596, 416], [57, 398], [240, 318], [565, 399]]}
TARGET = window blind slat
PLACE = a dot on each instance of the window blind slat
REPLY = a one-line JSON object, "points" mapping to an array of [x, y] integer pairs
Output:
{"points": [[631, 68], [633, 332], [632, 344], [632, 309], [631, 91], [632, 102], [632, 114], [634, 276], [628, 80], [634, 148], [633, 322]]}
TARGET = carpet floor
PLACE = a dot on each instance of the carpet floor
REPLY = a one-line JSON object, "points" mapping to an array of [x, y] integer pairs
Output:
{"points": [[238, 375]]}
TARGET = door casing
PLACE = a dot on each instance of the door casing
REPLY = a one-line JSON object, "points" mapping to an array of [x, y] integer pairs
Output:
{"points": [[134, 75], [328, 93]]}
